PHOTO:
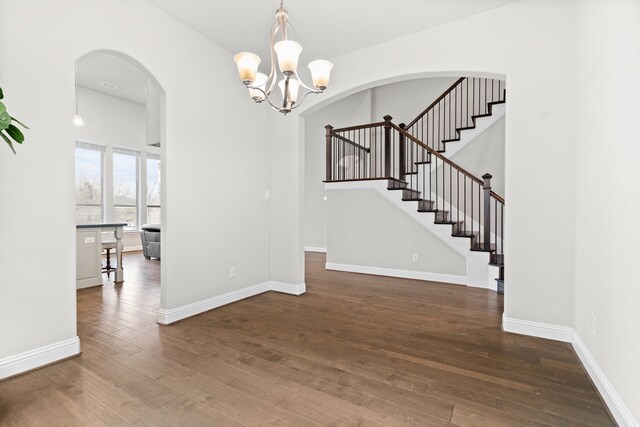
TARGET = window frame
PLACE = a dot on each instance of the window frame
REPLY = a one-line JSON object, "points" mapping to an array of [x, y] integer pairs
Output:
{"points": [[107, 177], [99, 148]]}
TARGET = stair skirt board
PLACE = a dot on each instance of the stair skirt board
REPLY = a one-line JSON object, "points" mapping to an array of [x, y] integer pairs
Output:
{"points": [[39, 357], [167, 317], [611, 398]]}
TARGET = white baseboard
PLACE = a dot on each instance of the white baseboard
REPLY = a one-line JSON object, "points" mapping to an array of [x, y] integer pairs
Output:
{"points": [[537, 329], [613, 401], [391, 272], [167, 317], [288, 288], [615, 404], [39, 357], [315, 249]]}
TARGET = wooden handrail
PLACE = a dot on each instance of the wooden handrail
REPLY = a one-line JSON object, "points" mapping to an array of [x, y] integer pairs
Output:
{"points": [[444, 159], [358, 127], [434, 103], [348, 141]]}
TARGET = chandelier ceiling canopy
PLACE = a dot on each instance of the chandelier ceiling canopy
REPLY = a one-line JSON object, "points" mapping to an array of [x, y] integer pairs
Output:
{"points": [[285, 52]]}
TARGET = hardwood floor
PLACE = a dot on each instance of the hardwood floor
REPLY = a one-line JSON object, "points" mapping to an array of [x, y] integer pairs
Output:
{"points": [[354, 350]]}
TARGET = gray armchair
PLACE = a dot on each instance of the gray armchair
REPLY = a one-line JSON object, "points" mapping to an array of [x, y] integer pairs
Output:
{"points": [[150, 236]]}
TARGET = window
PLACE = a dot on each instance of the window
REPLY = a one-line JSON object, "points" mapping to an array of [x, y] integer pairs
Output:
{"points": [[125, 187], [117, 185], [153, 188], [89, 167]]}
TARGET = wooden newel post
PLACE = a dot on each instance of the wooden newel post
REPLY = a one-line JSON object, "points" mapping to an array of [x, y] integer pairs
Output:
{"points": [[487, 208], [402, 153], [329, 159], [387, 146]]}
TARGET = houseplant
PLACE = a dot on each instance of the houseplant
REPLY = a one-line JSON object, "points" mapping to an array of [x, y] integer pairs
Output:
{"points": [[9, 131]]}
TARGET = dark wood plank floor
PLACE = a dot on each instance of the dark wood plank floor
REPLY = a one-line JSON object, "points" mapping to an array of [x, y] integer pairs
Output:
{"points": [[354, 350]]}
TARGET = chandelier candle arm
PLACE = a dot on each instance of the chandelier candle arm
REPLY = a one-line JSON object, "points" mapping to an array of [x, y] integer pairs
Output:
{"points": [[285, 55]]}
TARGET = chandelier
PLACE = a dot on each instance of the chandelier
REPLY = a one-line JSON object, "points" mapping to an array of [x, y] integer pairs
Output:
{"points": [[287, 53]]}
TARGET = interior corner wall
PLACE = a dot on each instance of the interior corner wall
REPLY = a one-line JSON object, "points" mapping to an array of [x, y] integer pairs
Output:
{"points": [[534, 47], [608, 200], [214, 172]]}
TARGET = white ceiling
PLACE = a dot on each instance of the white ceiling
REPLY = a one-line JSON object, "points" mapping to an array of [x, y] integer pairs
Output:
{"points": [[325, 28], [96, 68]]}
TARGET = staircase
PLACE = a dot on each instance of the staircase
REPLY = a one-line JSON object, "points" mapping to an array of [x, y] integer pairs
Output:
{"points": [[412, 159]]}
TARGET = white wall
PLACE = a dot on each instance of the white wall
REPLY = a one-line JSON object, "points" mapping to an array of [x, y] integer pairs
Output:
{"points": [[208, 143], [607, 251], [365, 229], [405, 100], [485, 154], [111, 121], [154, 114]]}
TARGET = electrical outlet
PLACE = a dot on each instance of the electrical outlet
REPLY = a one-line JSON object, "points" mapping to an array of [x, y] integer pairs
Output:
{"points": [[593, 319], [232, 272], [267, 195], [414, 257]]}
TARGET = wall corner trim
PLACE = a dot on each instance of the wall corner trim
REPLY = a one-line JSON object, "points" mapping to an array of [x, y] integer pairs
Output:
{"points": [[39, 357], [167, 317], [612, 400]]}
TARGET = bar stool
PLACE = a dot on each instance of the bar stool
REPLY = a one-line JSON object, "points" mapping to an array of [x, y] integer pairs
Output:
{"points": [[108, 245]]}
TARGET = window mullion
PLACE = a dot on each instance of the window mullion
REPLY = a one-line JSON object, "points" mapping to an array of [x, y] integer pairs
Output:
{"points": [[142, 198], [108, 185]]}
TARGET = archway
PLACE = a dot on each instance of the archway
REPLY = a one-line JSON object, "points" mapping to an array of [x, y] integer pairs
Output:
{"points": [[120, 152], [363, 109]]}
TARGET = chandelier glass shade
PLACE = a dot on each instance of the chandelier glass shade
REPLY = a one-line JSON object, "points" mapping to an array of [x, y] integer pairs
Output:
{"points": [[285, 55]]}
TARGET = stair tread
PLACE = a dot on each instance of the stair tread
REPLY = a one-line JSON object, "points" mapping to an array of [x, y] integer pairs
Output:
{"points": [[481, 247], [469, 234]]}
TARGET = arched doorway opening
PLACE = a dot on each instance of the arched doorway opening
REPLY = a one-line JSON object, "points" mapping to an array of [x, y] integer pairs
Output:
{"points": [[119, 137]]}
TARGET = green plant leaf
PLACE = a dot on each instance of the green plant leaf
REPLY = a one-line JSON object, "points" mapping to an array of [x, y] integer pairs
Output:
{"points": [[5, 120], [8, 141], [15, 133], [1, 94], [19, 122]]}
